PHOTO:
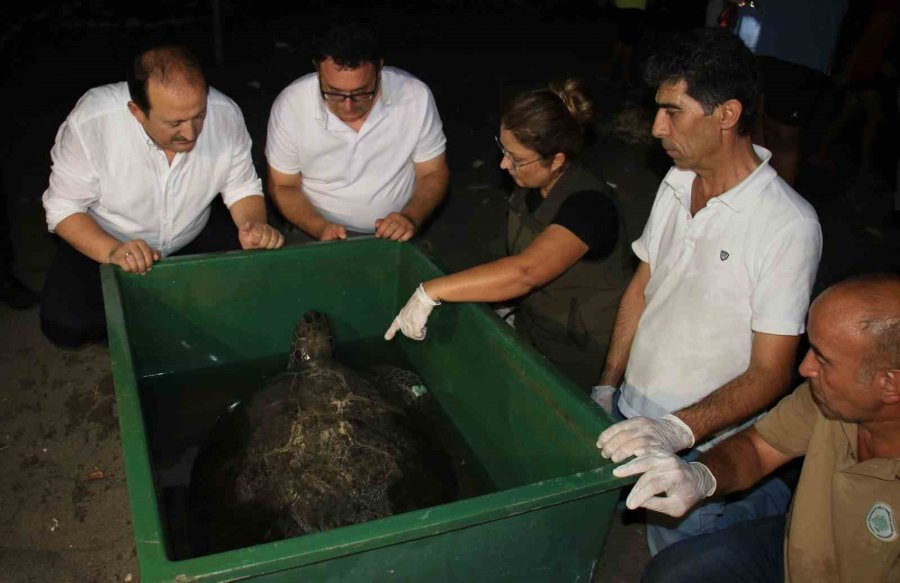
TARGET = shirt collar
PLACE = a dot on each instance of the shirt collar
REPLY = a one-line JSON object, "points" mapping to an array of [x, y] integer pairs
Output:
{"points": [[148, 141], [883, 468], [738, 198], [152, 146]]}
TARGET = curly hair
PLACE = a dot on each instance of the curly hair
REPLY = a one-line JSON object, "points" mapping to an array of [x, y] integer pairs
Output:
{"points": [[349, 45], [716, 65], [551, 120]]}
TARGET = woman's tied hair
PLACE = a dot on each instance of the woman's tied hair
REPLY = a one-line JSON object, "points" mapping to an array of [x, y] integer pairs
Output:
{"points": [[551, 120]]}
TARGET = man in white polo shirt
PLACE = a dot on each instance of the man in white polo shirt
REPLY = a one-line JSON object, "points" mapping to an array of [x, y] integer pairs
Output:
{"points": [[356, 147], [136, 169], [707, 330]]}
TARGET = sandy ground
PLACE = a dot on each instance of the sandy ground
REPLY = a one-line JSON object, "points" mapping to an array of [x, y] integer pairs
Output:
{"points": [[64, 512]]}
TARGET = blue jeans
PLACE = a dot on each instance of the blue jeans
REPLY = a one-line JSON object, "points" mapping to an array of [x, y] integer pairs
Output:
{"points": [[749, 552], [770, 498]]}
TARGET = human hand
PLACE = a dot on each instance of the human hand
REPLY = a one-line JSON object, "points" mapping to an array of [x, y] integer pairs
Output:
{"points": [[683, 483], [603, 396], [333, 231], [413, 318], [134, 256], [633, 436], [259, 235], [396, 227]]}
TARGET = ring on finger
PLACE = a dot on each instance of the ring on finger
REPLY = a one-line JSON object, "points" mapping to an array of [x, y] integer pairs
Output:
{"points": [[127, 254]]}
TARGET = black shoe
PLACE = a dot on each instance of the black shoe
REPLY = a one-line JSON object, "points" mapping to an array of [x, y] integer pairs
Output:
{"points": [[15, 294]]}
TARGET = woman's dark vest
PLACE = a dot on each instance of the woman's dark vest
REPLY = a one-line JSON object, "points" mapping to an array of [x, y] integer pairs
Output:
{"points": [[570, 319]]}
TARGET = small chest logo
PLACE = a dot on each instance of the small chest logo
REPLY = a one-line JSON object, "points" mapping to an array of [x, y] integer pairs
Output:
{"points": [[880, 522], [723, 255]]}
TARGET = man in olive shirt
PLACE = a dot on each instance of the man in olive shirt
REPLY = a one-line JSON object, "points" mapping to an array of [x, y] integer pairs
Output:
{"points": [[845, 419]]}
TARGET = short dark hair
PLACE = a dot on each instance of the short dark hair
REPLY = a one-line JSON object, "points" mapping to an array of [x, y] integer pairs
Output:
{"points": [[551, 120], [349, 45], [163, 64], [716, 65]]}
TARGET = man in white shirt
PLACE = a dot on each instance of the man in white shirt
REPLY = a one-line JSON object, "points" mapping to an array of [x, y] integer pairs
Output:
{"points": [[356, 147], [707, 330], [136, 167]]}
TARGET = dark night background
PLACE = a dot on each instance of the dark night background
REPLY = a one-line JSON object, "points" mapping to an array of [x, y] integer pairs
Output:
{"points": [[57, 416]]}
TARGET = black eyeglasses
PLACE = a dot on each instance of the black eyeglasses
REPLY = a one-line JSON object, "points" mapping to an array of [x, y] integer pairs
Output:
{"points": [[515, 163], [363, 97]]}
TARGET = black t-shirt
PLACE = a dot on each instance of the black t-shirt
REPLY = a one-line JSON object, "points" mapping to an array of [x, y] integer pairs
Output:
{"points": [[591, 215]]}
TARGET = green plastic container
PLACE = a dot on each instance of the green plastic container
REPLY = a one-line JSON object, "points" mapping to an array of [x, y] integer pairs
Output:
{"points": [[532, 431]]}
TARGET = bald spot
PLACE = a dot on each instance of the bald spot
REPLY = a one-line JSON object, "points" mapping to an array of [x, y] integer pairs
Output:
{"points": [[171, 68], [863, 307]]}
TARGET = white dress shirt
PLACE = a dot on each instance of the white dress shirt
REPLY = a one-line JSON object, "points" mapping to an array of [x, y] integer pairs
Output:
{"points": [[105, 165], [354, 178], [746, 262]]}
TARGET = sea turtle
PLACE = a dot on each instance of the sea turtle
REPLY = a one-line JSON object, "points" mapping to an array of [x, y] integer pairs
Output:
{"points": [[319, 447]]}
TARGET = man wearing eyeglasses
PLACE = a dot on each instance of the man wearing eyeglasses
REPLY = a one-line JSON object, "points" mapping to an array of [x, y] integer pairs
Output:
{"points": [[356, 147]]}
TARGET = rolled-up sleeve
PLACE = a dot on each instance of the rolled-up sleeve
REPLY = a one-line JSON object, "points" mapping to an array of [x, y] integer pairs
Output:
{"points": [[242, 179], [74, 185], [786, 273]]}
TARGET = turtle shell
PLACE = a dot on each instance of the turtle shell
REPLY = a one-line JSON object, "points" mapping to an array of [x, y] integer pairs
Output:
{"points": [[319, 447]]}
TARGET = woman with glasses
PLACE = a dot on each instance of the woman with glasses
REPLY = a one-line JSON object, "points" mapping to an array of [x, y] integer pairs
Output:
{"points": [[567, 259]]}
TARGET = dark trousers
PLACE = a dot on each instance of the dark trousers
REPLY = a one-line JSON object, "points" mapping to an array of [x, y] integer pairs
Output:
{"points": [[749, 552], [72, 298]]}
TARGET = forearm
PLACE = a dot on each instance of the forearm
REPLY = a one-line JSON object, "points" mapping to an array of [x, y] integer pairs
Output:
{"points": [[296, 208], [630, 310], [737, 463], [250, 209], [734, 402], [500, 280], [427, 194], [84, 234]]}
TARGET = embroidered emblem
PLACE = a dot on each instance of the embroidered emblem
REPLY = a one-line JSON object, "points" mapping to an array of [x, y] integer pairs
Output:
{"points": [[880, 521], [723, 255]]}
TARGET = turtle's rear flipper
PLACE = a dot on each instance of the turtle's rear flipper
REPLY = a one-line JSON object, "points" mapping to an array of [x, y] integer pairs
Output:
{"points": [[401, 385]]}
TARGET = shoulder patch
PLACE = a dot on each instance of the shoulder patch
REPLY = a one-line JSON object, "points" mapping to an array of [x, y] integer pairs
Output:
{"points": [[880, 522]]}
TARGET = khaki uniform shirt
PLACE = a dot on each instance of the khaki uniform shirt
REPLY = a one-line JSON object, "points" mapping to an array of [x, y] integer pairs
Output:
{"points": [[843, 521]]}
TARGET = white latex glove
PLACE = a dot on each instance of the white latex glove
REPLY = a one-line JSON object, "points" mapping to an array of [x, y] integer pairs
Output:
{"points": [[633, 436], [413, 318], [683, 483], [603, 395]]}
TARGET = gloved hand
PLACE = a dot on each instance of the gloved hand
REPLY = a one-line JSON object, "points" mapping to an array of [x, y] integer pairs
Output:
{"points": [[633, 436], [603, 395], [684, 483], [413, 318]]}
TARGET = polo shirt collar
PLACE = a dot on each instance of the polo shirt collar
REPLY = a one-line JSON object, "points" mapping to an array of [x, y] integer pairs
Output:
{"points": [[739, 198], [882, 468]]}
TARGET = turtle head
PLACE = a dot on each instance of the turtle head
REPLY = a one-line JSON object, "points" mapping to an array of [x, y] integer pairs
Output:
{"points": [[313, 341]]}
